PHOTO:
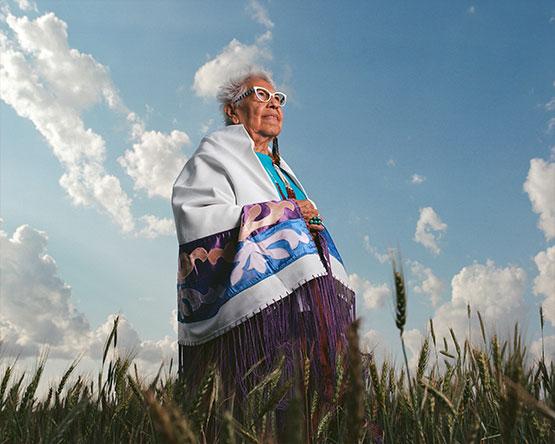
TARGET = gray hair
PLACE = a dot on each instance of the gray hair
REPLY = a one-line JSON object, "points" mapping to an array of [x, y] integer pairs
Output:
{"points": [[236, 86]]}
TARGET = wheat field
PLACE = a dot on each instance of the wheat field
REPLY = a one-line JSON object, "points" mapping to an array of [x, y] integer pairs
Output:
{"points": [[458, 393]]}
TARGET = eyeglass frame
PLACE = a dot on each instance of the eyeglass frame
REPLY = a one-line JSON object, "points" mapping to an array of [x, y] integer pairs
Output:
{"points": [[254, 89]]}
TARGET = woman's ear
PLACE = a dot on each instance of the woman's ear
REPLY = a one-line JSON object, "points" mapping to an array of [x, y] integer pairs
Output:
{"points": [[231, 114]]}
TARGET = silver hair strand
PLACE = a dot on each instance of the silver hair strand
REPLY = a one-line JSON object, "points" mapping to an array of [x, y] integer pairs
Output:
{"points": [[235, 86]]}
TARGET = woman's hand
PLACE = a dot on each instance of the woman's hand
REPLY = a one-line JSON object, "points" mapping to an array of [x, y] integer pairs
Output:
{"points": [[310, 212]]}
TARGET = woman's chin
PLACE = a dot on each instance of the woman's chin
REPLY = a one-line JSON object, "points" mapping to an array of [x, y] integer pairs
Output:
{"points": [[272, 130]]}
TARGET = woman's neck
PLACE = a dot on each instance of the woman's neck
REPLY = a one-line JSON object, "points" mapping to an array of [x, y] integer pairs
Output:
{"points": [[262, 145], [262, 149]]}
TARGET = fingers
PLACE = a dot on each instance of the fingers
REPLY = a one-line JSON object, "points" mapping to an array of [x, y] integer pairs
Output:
{"points": [[313, 227], [311, 215], [307, 209]]}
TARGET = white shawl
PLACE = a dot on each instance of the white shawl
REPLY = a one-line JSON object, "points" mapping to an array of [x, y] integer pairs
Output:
{"points": [[222, 176]]}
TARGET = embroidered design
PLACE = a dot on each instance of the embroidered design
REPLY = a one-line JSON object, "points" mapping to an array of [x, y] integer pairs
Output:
{"points": [[190, 300], [276, 212], [187, 262], [257, 254], [214, 269]]}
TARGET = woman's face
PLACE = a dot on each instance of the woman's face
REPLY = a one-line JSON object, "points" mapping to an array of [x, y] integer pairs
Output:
{"points": [[261, 120]]}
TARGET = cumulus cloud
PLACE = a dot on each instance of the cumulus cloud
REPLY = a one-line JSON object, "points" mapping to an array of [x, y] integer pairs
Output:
{"points": [[37, 309], [417, 179], [371, 340], [429, 284], [382, 258], [374, 296], [235, 59], [48, 83], [154, 226], [36, 302], [51, 84], [413, 341], [204, 127], [129, 342], [27, 5], [374, 342], [155, 160], [544, 283], [549, 349], [540, 186], [173, 320], [497, 292], [429, 229], [259, 14]]}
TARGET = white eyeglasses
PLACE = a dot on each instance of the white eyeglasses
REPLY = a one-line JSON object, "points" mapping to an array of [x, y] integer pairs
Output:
{"points": [[263, 95]]}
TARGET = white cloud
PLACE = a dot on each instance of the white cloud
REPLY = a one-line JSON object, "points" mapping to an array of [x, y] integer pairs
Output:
{"points": [[471, 10], [544, 283], [391, 163], [429, 284], [51, 84], [374, 296], [236, 58], [173, 320], [498, 293], [417, 179], [540, 186], [381, 257], [428, 223], [129, 342], [549, 349], [37, 309], [259, 14], [155, 227], [27, 5], [413, 341], [36, 302], [206, 126], [48, 83], [372, 341], [155, 160]]}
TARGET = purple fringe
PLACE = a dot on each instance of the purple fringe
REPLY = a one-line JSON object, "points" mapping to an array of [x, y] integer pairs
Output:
{"points": [[312, 321]]}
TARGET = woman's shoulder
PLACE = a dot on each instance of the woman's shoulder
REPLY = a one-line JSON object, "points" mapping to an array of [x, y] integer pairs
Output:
{"points": [[220, 149], [230, 138]]}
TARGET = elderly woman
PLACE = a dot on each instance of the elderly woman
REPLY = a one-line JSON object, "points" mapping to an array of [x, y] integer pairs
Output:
{"points": [[259, 276]]}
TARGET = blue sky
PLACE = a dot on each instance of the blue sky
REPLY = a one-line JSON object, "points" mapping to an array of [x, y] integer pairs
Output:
{"points": [[428, 126]]}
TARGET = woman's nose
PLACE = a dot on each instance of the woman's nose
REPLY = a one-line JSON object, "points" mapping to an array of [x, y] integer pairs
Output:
{"points": [[274, 102]]}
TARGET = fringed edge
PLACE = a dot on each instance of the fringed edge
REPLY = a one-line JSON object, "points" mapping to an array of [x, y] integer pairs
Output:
{"points": [[312, 321], [226, 328]]}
